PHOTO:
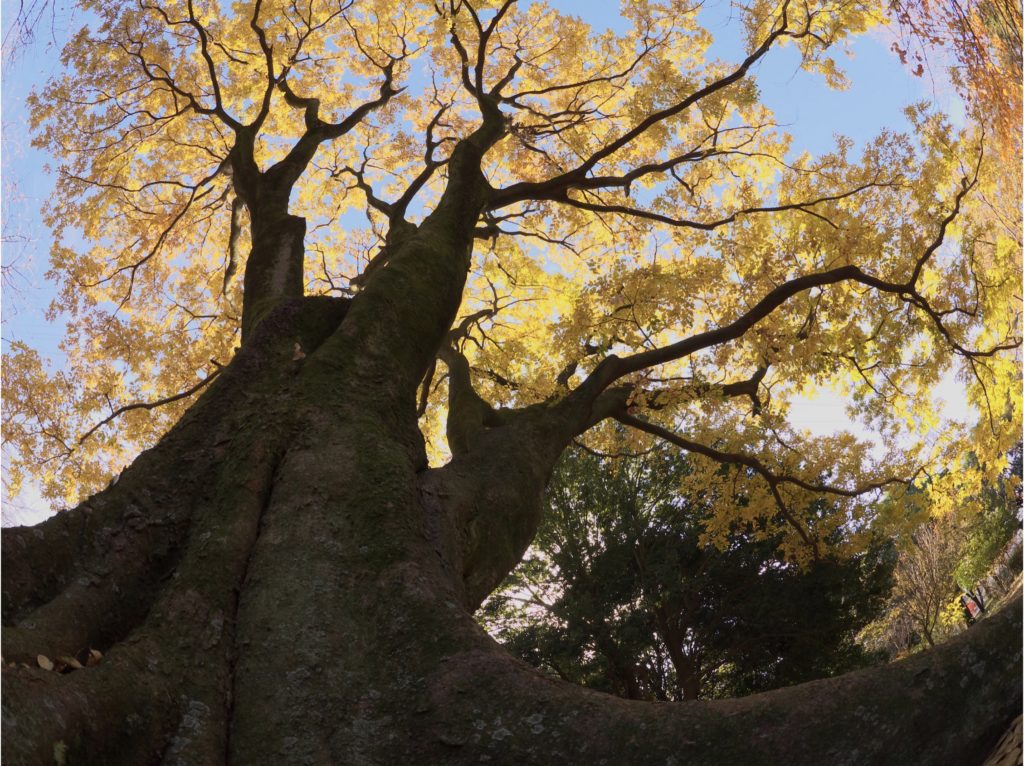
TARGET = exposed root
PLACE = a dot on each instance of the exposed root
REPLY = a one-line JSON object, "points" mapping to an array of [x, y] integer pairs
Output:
{"points": [[150, 571], [119, 712], [180, 647], [946, 705], [118, 539], [111, 591], [38, 561]]}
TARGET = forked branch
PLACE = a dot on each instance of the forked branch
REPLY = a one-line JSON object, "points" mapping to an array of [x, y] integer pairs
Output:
{"points": [[151, 405], [614, 368]]}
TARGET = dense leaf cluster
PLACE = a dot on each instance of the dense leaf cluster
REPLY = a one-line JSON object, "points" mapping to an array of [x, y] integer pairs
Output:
{"points": [[621, 594]]}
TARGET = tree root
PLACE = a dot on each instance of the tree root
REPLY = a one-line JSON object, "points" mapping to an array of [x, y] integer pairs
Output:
{"points": [[947, 705], [120, 712]]}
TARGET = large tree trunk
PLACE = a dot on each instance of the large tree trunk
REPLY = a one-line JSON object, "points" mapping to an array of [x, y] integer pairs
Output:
{"points": [[281, 580]]}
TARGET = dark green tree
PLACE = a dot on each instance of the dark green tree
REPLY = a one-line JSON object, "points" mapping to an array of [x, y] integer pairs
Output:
{"points": [[620, 594]]}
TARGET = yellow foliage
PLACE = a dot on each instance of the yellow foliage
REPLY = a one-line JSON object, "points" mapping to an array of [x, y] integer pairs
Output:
{"points": [[684, 222]]}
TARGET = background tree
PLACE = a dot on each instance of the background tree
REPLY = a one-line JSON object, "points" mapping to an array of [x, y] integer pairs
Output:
{"points": [[983, 37], [996, 522], [977, 44], [947, 557], [618, 593], [925, 585], [289, 572], [28, 20]]}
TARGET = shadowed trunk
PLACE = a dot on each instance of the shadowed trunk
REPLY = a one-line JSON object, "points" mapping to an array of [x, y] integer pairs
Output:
{"points": [[687, 669], [283, 580], [280, 580]]}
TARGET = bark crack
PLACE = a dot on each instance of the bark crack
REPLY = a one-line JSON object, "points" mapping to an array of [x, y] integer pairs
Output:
{"points": [[234, 647]]}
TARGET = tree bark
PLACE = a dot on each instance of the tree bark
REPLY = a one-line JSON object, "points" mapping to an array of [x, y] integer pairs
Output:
{"points": [[283, 580], [688, 671], [306, 602]]}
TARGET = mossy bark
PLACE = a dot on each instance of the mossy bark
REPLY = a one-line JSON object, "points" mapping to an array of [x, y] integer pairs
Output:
{"points": [[283, 580], [307, 599]]}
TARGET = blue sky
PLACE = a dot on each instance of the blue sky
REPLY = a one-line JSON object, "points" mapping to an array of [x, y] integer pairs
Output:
{"points": [[881, 87]]}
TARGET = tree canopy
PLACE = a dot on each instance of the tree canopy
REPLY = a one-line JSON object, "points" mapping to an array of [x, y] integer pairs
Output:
{"points": [[647, 230], [983, 37]]}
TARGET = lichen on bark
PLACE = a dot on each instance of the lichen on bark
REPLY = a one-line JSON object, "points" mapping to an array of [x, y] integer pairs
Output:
{"points": [[284, 579]]}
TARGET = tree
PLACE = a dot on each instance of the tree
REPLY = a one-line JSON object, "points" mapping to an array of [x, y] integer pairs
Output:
{"points": [[984, 39], [996, 523], [925, 587], [284, 575], [29, 18], [617, 593], [980, 41], [946, 558]]}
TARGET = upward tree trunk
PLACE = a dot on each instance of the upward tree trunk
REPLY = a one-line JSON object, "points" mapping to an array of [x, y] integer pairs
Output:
{"points": [[687, 668], [273, 271], [283, 580], [280, 580]]}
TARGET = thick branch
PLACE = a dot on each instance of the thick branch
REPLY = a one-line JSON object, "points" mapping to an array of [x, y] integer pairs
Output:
{"points": [[468, 412], [558, 185], [949, 705], [613, 368], [268, 58], [288, 170]]}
